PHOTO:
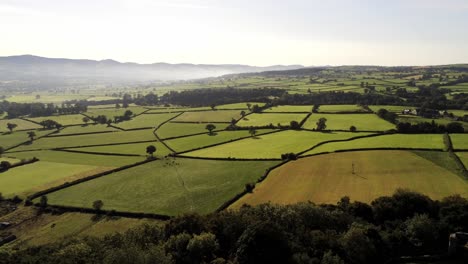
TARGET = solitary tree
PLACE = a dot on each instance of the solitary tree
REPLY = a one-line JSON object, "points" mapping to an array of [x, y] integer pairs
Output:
{"points": [[97, 205], [43, 201], [321, 124], [5, 165], [150, 150], [249, 105], [315, 108], [2, 150], [11, 126], [210, 128], [31, 135], [213, 106], [252, 132], [352, 129], [294, 124], [242, 113], [86, 119]]}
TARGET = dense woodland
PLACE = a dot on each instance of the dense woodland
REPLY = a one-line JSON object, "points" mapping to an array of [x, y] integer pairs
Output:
{"points": [[405, 224]]}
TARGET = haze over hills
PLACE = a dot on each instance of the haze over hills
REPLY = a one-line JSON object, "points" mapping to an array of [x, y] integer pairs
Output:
{"points": [[35, 68]]}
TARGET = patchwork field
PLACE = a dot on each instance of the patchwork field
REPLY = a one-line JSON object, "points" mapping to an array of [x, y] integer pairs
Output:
{"points": [[84, 129], [170, 129], [111, 112], [239, 105], [302, 180], [362, 122], [134, 149], [423, 141], [271, 146], [417, 119], [390, 108], [459, 141], [91, 139], [21, 124], [15, 138], [64, 120], [193, 142], [40, 175], [463, 157], [171, 186], [267, 119], [340, 108], [145, 121], [209, 116], [290, 108]]}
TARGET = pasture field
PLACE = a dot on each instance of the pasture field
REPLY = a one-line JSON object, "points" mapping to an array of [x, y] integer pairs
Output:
{"points": [[209, 116], [239, 105], [21, 124], [15, 138], [270, 118], [134, 149], [8, 159], [90, 139], [421, 141], [170, 129], [41, 175], [418, 119], [101, 98], [271, 146], [362, 122], [459, 113], [55, 99], [459, 141], [340, 108], [376, 173], [145, 121], [390, 108], [461, 87], [77, 158], [85, 129], [177, 110], [197, 141], [111, 112], [64, 120], [170, 186], [290, 108], [463, 157]]}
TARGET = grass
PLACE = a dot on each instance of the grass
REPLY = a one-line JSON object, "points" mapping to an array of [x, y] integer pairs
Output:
{"points": [[238, 105], [145, 120], [340, 108], [267, 119], [442, 159], [91, 128], [390, 108], [91, 139], [21, 124], [180, 129], [77, 158], [193, 142], [422, 141], [417, 119], [459, 141], [15, 138], [40, 175], [271, 146], [10, 160], [290, 108], [64, 120], [463, 157], [178, 110], [135, 148], [209, 116], [56, 99], [459, 113], [172, 186], [377, 173], [363, 122], [112, 112]]}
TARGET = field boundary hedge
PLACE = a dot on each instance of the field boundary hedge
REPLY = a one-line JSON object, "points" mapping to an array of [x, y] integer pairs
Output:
{"points": [[99, 153], [98, 145], [454, 156], [199, 122], [25, 142], [160, 125], [224, 159], [85, 179], [367, 149], [304, 119], [81, 134]]}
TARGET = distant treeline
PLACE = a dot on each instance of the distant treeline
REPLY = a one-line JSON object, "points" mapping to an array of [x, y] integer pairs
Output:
{"points": [[40, 109], [404, 224]]}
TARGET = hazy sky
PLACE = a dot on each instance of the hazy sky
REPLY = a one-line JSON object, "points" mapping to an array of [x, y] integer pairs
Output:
{"points": [[256, 32]]}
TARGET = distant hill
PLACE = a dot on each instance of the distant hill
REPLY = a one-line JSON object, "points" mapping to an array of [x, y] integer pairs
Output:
{"points": [[33, 68]]}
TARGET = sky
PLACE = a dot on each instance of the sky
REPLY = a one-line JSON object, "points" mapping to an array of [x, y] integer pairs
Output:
{"points": [[254, 32]]}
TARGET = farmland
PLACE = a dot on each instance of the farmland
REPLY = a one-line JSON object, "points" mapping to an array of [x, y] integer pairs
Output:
{"points": [[64, 120], [300, 181], [169, 186], [362, 122], [145, 121], [267, 119], [21, 124], [209, 116], [459, 141]]}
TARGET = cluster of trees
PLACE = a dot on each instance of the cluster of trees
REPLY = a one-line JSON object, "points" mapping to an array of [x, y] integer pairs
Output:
{"points": [[40, 109], [404, 224], [426, 127], [50, 124], [387, 115]]}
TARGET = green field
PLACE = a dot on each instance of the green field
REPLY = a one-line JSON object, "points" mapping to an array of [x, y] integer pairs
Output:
{"points": [[135, 149], [193, 142], [362, 122], [290, 108], [21, 124], [239, 105], [417, 119], [56, 99], [10, 160], [64, 120], [15, 138], [77, 158], [271, 146], [376, 173], [145, 121], [170, 130], [459, 113], [91, 128], [423, 141], [177, 110], [390, 108], [209, 116], [171, 186], [463, 157], [91, 139], [459, 141], [267, 119], [340, 108], [112, 112], [39, 175]]}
